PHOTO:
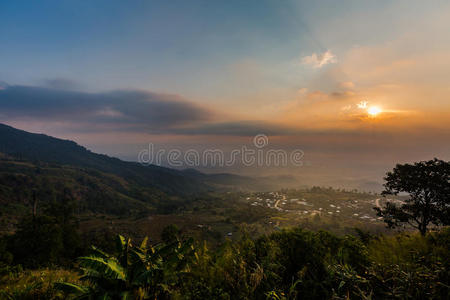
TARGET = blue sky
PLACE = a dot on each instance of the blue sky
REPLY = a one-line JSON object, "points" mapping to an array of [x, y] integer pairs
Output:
{"points": [[171, 45]]}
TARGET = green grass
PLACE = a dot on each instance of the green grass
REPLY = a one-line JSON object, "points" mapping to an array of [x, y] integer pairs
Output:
{"points": [[34, 284]]}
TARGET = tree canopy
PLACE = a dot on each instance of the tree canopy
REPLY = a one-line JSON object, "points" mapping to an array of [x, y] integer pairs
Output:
{"points": [[427, 184]]}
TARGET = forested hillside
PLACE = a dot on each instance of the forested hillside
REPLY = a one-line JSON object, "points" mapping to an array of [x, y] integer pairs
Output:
{"points": [[42, 148]]}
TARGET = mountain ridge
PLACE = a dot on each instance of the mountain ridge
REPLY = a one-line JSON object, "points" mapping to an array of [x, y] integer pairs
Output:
{"points": [[38, 147]]}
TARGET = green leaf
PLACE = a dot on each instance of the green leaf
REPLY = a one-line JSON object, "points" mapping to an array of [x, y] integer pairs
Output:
{"points": [[110, 268], [70, 288]]}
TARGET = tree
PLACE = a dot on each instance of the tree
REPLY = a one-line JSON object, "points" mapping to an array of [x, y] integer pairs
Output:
{"points": [[37, 242], [47, 238], [427, 184]]}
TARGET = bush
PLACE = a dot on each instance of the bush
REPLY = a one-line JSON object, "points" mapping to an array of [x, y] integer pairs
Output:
{"points": [[289, 264]]}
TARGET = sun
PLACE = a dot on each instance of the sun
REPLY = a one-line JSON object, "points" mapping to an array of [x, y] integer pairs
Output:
{"points": [[373, 111]]}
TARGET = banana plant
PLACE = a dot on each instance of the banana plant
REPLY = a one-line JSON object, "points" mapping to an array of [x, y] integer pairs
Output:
{"points": [[136, 272]]}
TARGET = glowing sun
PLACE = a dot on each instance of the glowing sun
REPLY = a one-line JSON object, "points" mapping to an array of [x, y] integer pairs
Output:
{"points": [[373, 111]]}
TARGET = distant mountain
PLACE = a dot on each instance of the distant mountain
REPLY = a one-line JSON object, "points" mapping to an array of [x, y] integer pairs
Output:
{"points": [[40, 148]]}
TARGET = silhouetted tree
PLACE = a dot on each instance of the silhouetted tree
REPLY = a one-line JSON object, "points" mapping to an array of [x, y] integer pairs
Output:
{"points": [[428, 185], [50, 237]]}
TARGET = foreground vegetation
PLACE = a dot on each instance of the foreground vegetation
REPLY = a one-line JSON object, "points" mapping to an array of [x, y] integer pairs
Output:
{"points": [[16, 283], [290, 264]]}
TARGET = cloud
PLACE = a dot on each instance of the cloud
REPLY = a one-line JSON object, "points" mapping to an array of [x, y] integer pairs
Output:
{"points": [[136, 111], [119, 109], [347, 85], [318, 60], [302, 91]]}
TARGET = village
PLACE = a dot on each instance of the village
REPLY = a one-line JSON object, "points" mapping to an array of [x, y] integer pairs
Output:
{"points": [[300, 204]]}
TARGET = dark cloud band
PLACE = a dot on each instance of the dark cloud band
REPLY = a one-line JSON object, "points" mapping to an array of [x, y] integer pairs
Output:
{"points": [[129, 108]]}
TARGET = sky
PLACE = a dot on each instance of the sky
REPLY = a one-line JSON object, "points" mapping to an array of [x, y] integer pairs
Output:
{"points": [[358, 86]]}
